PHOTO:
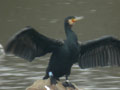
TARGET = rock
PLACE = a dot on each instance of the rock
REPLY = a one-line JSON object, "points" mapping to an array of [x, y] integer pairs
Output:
{"points": [[45, 85]]}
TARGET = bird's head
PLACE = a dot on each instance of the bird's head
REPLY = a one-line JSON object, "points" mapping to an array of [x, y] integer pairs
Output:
{"points": [[72, 19]]}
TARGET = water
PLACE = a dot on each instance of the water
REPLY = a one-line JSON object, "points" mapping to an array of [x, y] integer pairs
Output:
{"points": [[101, 17]]}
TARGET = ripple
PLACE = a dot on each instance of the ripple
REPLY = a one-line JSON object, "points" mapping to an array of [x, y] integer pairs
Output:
{"points": [[93, 10], [5, 68], [54, 21], [2, 50], [35, 78]]}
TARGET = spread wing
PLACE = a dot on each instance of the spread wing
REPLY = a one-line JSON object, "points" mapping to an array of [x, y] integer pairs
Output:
{"points": [[29, 44], [101, 52]]}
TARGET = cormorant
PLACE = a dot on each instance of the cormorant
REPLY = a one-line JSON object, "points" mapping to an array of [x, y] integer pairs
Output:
{"points": [[29, 44]]}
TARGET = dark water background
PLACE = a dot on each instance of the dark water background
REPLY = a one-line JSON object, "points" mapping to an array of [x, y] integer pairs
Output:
{"points": [[101, 17]]}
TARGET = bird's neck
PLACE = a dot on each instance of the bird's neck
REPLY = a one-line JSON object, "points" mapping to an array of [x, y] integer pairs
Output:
{"points": [[70, 35]]}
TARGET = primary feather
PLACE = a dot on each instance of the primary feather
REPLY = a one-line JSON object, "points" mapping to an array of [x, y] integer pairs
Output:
{"points": [[104, 51], [28, 44]]}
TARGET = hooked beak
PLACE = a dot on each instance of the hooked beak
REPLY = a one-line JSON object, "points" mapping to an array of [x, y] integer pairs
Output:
{"points": [[78, 18], [72, 21]]}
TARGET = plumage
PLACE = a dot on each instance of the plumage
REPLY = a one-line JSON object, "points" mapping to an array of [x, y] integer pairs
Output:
{"points": [[100, 52], [28, 44]]}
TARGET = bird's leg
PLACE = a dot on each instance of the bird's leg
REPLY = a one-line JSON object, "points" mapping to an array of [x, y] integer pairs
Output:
{"points": [[67, 83], [66, 78], [52, 79]]}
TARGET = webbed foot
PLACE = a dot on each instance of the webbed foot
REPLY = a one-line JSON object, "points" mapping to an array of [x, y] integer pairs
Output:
{"points": [[68, 84]]}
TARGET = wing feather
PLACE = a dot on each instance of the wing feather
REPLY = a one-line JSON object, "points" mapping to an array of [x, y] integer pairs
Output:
{"points": [[100, 52], [28, 44]]}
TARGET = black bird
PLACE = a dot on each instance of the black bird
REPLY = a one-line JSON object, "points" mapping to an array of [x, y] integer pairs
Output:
{"points": [[29, 44]]}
